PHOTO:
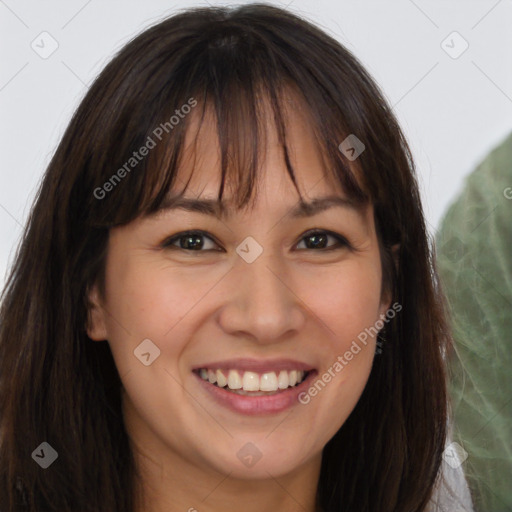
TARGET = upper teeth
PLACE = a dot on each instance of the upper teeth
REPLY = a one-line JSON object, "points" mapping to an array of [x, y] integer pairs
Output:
{"points": [[252, 381]]}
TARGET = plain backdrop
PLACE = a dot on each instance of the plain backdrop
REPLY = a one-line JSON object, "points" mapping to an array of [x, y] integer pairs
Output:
{"points": [[454, 107]]}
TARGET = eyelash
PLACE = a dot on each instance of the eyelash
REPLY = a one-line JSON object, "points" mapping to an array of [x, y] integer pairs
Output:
{"points": [[341, 241]]}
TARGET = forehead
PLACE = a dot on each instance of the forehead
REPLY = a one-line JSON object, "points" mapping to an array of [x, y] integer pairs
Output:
{"points": [[199, 172], [199, 176]]}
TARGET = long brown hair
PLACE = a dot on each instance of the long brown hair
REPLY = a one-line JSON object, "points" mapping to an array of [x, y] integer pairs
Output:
{"points": [[59, 387]]}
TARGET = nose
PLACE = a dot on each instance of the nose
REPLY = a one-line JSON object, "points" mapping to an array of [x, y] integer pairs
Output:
{"points": [[261, 303]]}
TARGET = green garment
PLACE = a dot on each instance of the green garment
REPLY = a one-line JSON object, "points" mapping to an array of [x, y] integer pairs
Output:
{"points": [[474, 258]]}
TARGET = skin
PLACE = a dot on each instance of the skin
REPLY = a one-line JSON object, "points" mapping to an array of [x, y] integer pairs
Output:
{"points": [[291, 302]]}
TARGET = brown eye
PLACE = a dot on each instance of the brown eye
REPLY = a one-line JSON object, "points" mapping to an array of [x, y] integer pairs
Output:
{"points": [[319, 240], [190, 241], [199, 241]]}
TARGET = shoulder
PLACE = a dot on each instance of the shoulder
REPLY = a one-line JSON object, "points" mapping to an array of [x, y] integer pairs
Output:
{"points": [[451, 492]]}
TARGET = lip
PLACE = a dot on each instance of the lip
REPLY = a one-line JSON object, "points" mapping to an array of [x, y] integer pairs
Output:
{"points": [[256, 405], [256, 365]]}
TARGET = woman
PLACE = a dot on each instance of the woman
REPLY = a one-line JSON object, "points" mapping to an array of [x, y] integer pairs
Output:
{"points": [[225, 294]]}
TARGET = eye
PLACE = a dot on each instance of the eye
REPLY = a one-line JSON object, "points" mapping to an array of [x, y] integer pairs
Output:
{"points": [[189, 241], [317, 239], [193, 241]]}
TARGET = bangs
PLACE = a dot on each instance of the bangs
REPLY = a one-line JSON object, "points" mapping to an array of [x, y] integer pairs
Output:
{"points": [[244, 79]]}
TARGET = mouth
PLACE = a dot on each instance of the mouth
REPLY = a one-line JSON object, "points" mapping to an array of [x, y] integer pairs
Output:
{"points": [[250, 383], [253, 388]]}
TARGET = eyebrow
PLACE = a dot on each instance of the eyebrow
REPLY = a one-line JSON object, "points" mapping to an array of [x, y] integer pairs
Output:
{"points": [[300, 210]]}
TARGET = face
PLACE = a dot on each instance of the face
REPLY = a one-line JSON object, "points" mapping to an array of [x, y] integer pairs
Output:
{"points": [[261, 294]]}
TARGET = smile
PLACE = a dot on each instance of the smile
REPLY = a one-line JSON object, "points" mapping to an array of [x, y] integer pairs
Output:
{"points": [[254, 387], [249, 383]]}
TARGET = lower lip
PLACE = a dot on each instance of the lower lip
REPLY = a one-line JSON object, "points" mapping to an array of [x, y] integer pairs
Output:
{"points": [[257, 405]]}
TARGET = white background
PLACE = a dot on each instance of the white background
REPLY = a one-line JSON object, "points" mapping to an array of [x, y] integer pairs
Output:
{"points": [[453, 111]]}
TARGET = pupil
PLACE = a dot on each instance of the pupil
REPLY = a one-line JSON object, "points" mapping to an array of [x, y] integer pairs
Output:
{"points": [[196, 239], [318, 239]]}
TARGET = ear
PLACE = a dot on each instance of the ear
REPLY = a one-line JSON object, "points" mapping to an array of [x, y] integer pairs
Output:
{"points": [[96, 325], [387, 297]]}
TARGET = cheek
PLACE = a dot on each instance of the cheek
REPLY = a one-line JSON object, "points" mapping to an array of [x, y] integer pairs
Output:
{"points": [[346, 299], [151, 300], [139, 306], [149, 297], [347, 302]]}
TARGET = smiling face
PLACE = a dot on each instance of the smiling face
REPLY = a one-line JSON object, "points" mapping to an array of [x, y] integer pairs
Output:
{"points": [[209, 300]]}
